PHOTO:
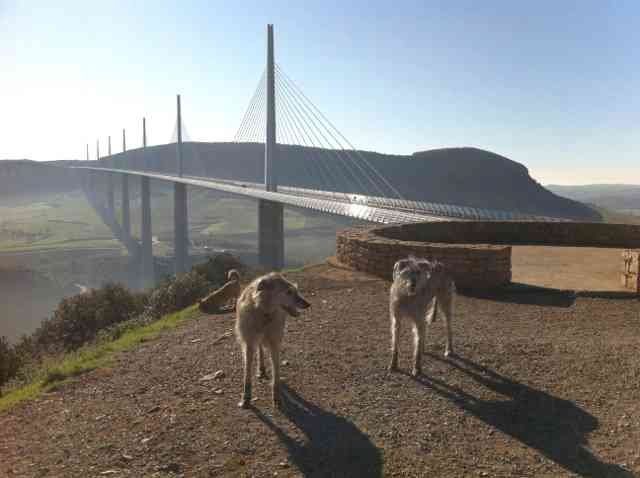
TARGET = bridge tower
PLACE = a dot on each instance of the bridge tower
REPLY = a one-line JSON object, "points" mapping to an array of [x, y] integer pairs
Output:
{"points": [[270, 214], [180, 218], [148, 276], [126, 207]]}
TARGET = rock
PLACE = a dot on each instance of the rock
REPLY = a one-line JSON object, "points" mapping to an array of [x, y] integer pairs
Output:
{"points": [[170, 467], [285, 362], [109, 472], [127, 457], [213, 376], [195, 341], [144, 441]]}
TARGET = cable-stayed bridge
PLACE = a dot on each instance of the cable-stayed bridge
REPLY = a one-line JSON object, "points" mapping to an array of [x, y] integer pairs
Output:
{"points": [[344, 180]]}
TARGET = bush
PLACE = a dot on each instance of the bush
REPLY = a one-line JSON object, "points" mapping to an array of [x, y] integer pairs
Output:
{"points": [[78, 319], [8, 361], [177, 293]]}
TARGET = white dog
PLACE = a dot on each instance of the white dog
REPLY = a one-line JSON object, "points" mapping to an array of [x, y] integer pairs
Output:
{"points": [[260, 318], [416, 284]]}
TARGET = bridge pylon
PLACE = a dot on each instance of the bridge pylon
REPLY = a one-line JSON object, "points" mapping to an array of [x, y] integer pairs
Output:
{"points": [[180, 217], [270, 214]]}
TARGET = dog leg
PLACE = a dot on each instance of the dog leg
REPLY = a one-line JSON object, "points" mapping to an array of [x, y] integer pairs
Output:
{"points": [[275, 371], [395, 334], [447, 310], [418, 346], [248, 351], [431, 317], [262, 371]]}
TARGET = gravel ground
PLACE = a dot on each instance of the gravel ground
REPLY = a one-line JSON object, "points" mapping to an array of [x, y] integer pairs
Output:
{"points": [[544, 384]]}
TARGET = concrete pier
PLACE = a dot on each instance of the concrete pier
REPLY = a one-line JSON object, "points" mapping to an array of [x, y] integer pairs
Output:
{"points": [[181, 228], [148, 273], [111, 201], [126, 205], [271, 234]]}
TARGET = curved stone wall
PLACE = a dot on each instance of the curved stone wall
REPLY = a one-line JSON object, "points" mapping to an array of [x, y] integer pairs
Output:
{"points": [[477, 253]]}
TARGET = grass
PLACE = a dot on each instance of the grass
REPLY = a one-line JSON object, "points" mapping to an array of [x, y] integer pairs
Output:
{"points": [[54, 374]]}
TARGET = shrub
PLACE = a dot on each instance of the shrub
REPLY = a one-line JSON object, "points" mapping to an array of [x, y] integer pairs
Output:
{"points": [[78, 319], [177, 293], [7, 361]]}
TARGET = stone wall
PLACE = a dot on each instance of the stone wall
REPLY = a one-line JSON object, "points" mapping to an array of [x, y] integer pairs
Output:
{"points": [[472, 266], [631, 270], [623, 236], [478, 253]]}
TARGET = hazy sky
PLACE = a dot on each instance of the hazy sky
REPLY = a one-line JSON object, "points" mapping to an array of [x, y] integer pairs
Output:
{"points": [[554, 85]]}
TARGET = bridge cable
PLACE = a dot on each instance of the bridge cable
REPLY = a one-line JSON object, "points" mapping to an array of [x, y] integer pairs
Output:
{"points": [[319, 115], [287, 125], [375, 184], [250, 108], [307, 132]]}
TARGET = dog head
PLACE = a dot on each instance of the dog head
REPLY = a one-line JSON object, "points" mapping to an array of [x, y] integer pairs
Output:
{"points": [[276, 291], [410, 274], [233, 274]]}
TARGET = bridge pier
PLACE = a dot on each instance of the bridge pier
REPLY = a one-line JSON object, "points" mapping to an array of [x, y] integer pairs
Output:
{"points": [[271, 234], [111, 202], [146, 250], [148, 274], [126, 207], [181, 228]]}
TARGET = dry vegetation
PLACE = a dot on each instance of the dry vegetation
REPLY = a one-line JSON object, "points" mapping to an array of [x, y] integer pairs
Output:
{"points": [[547, 383]]}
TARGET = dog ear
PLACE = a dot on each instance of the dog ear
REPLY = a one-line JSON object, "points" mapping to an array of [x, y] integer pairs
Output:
{"points": [[264, 283], [398, 266]]}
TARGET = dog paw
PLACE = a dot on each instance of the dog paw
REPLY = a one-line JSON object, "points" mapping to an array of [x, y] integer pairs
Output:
{"points": [[448, 353], [244, 403], [262, 374], [416, 372]]}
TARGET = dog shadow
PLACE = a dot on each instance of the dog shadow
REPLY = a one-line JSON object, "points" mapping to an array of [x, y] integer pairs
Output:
{"points": [[557, 428], [335, 446]]}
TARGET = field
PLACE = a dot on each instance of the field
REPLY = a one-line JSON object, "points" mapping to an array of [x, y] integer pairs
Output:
{"points": [[545, 383]]}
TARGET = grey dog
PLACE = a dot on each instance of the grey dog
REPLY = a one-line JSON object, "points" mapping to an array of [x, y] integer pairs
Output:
{"points": [[419, 286]]}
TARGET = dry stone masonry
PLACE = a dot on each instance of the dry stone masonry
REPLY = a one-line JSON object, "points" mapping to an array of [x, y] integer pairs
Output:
{"points": [[477, 253]]}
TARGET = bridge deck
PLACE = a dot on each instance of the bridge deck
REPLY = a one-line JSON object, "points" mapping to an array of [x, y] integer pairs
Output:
{"points": [[368, 208], [324, 201]]}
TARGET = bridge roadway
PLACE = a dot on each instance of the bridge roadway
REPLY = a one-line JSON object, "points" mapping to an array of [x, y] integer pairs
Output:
{"points": [[325, 201], [368, 208]]}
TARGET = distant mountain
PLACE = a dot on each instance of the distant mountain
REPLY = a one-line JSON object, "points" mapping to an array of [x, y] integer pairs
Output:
{"points": [[617, 197], [462, 176], [22, 177]]}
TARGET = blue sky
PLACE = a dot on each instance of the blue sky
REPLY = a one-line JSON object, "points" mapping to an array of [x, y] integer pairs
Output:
{"points": [[551, 84]]}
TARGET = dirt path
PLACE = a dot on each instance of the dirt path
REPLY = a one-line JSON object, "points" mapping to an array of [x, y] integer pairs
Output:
{"points": [[544, 385]]}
